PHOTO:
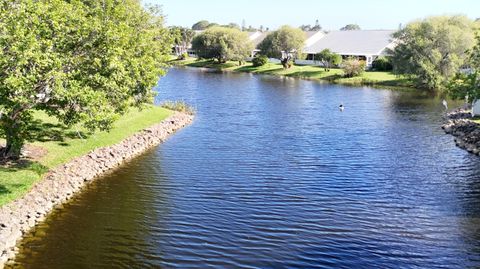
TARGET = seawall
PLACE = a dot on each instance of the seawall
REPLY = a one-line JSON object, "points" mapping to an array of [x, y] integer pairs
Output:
{"points": [[62, 182], [465, 131]]}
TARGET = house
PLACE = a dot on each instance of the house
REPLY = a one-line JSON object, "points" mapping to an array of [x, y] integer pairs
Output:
{"points": [[257, 37], [366, 45]]}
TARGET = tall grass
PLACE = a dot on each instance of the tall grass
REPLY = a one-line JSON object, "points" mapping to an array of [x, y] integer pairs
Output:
{"points": [[180, 106]]}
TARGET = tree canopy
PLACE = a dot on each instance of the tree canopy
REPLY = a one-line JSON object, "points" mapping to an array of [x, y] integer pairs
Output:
{"points": [[201, 25], [328, 58], [430, 51], [467, 83], [283, 43], [350, 27], [223, 44], [79, 61], [182, 37], [308, 27]]}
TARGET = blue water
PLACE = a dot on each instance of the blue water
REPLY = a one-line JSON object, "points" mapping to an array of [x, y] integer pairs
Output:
{"points": [[273, 175]]}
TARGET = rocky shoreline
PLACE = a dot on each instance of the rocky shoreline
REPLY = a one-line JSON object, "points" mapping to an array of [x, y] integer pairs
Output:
{"points": [[466, 132], [61, 183]]}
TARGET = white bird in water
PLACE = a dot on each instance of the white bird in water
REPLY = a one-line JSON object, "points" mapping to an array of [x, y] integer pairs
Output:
{"points": [[341, 107], [444, 103]]}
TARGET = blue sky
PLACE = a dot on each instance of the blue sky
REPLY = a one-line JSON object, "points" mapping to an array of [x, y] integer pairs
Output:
{"points": [[332, 14]]}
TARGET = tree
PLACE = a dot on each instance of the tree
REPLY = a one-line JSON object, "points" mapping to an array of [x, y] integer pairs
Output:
{"points": [[232, 25], [222, 44], [283, 44], [430, 51], [201, 25], [316, 27], [182, 37], [350, 27], [382, 63], [305, 27], [83, 62], [328, 58], [308, 27], [259, 60], [466, 84], [353, 67]]}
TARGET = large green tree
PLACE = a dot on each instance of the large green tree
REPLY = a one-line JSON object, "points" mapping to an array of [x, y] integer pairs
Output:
{"points": [[80, 61], [430, 51], [466, 84], [222, 44], [284, 44]]}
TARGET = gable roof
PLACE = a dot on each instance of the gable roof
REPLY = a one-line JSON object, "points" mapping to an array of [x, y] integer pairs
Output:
{"points": [[359, 42]]}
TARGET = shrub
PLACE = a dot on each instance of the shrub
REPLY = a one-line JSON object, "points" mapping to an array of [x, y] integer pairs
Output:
{"points": [[353, 67], [182, 56], [259, 60], [180, 106], [382, 63]]}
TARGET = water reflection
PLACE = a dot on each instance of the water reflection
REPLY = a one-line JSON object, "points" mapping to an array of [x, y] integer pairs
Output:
{"points": [[272, 175]]}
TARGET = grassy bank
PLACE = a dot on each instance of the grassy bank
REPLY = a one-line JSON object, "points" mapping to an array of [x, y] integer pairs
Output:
{"points": [[58, 144], [370, 78]]}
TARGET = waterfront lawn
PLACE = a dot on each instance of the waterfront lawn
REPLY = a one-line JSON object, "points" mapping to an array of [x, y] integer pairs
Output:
{"points": [[63, 144], [371, 78]]}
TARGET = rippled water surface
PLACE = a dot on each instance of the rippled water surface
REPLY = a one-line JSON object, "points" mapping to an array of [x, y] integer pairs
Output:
{"points": [[272, 175]]}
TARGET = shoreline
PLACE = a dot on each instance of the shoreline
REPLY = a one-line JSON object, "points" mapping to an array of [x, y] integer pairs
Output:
{"points": [[465, 131], [61, 183], [332, 79]]}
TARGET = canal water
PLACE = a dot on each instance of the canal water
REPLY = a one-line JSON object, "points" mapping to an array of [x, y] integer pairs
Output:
{"points": [[273, 175]]}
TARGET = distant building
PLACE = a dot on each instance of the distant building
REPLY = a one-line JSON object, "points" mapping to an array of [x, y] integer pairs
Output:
{"points": [[366, 45]]}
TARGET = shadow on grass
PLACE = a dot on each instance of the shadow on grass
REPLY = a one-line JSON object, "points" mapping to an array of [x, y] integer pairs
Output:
{"points": [[4, 190], [256, 70], [23, 164], [45, 132]]}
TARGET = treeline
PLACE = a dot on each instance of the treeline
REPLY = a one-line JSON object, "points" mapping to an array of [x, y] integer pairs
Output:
{"points": [[436, 53]]}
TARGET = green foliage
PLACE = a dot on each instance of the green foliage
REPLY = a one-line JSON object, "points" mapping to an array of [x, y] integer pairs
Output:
{"points": [[432, 50], [350, 27], [283, 44], [467, 83], [79, 61], [201, 25], [222, 44], [382, 63], [353, 67], [328, 58], [182, 56], [259, 60], [182, 37], [180, 106]]}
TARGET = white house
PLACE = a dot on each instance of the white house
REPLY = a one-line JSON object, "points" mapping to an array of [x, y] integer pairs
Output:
{"points": [[257, 37], [367, 45]]}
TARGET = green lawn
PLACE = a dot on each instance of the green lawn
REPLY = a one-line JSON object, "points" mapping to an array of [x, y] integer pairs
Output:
{"points": [[371, 78], [64, 144]]}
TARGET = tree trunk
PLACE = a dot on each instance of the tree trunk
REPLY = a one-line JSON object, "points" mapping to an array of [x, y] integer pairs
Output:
{"points": [[15, 141]]}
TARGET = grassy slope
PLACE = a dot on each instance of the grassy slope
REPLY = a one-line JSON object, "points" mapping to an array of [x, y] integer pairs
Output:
{"points": [[372, 78], [64, 144]]}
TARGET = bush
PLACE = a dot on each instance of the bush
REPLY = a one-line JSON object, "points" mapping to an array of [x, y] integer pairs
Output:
{"points": [[259, 60], [182, 56], [382, 63], [353, 67]]}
